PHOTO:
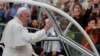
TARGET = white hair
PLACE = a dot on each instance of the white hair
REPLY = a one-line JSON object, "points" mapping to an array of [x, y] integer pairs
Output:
{"points": [[21, 10]]}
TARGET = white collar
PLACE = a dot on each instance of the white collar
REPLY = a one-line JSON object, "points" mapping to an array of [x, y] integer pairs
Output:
{"points": [[19, 21]]}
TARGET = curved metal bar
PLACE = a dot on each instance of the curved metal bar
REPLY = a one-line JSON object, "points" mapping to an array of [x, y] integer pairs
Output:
{"points": [[2, 47]]}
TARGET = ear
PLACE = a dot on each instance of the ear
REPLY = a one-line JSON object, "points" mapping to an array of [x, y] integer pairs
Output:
{"points": [[20, 16]]}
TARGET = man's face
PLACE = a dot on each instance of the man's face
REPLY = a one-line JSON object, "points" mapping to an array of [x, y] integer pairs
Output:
{"points": [[43, 15], [26, 16], [98, 23], [1, 5], [91, 23], [96, 1], [77, 10]]}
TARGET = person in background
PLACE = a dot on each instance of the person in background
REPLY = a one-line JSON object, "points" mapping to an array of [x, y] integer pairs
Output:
{"points": [[96, 3], [8, 11], [70, 5], [35, 12], [2, 19], [43, 17], [96, 13], [52, 48], [66, 2], [96, 8], [91, 23], [98, 23], [17, 39], [81, 17], [98, 27], [92, 32], [14, 9], [2, 12]]}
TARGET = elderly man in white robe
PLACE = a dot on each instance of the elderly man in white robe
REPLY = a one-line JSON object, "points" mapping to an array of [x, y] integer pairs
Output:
{"points": [[17, 39]]}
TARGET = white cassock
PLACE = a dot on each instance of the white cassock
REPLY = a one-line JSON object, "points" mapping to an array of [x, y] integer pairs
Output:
{"points": [[18, 40]]}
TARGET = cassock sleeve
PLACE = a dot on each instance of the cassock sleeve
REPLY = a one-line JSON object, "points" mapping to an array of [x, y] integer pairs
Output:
{"points": [[33, 37]]}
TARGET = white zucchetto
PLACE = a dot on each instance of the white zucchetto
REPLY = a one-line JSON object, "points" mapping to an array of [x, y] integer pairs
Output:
{"points": [[21, 9]]}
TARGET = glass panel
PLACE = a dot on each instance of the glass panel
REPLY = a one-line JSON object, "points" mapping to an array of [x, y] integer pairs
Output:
{"points": [[72, 51], [71, 32]]}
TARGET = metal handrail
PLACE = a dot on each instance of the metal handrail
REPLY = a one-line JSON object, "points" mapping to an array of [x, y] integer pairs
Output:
{"points": [[70, 43]]}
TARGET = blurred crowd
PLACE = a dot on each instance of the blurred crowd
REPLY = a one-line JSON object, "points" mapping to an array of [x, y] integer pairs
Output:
{"points": [[85, 12]]}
